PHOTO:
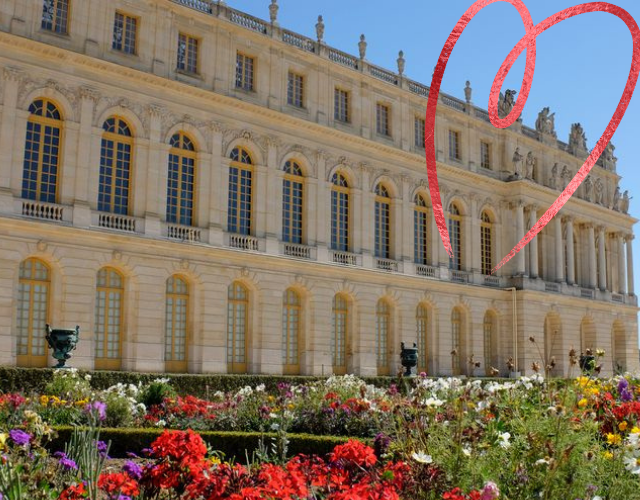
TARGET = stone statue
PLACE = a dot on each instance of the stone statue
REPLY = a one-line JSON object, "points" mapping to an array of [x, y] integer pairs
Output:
{"points": [[616, 199], [588, 188], [553, 181], [545, 124], [577, 138], [608, 159], [599, 192], [517, 162], [320, 29], [624, 203], [467, 92], [400, 62], [566, 177], [273, 11], [362, 47], [530, 165], [506, 102]]}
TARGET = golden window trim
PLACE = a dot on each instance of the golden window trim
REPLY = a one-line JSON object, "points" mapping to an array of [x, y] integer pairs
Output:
{"points": [[136, 25], [248, 167], [104, 361], [182, 153], [172, 365], [233, 303]]}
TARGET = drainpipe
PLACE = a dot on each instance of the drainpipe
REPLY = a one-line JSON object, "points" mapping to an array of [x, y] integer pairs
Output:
{"points": [[514, 313]]}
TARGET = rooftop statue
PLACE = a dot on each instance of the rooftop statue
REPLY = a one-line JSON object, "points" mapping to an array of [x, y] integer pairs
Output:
{"points": [[545, 124], [517, 162], [577, 138], [506, 102]]}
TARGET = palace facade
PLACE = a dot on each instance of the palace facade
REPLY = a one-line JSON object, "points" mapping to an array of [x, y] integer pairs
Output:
{"points": [[204, 191]]}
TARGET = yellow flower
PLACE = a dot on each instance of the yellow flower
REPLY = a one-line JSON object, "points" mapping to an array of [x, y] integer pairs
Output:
{"points": [[583, 402], [608, 455], [3, 439], [44, 400], [635, 430], [271, 399], [622, 426], [291, 406], [614, 439], [215, 460], [82, 402]]}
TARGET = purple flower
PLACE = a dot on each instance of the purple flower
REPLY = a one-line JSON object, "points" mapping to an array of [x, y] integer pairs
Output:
{"points": [[133, 470], [490, 491], [19, 437], [65, 461], [381, 444], [97, 407], [626, 395], [102, 448], [622, 384], [392, 390], [123, 497]]}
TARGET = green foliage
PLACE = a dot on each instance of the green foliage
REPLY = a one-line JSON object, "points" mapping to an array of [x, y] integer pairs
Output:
{"points": [[68, 384], [118, 411], [81, 447], [156, 392]]}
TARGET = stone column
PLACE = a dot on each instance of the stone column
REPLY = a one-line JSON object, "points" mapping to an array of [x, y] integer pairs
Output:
{"points": [[218, 198], [571, 275], [630, 289], [273, 226], [519, 257], [88, 97], [8, 139], [533, 244], [259, 201], [310, 213], [406, 250], [593, 269], [602, 260], [622, 272], [557, 221], [154, 166]]}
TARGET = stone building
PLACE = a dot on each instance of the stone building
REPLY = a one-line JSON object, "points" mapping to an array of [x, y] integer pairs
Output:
{"points": [[201, 190]]}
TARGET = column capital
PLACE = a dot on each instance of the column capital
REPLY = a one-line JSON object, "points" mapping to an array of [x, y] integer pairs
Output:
{"points": [[630, 237], [601, 229], [89, 93], [533, 208], [13, 74], [588, 225], [519, 203], [216, 127], [568, 218]]}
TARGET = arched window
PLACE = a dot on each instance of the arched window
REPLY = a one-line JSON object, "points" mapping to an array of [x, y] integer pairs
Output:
{"points": [[176, 325], [237, 328], [421, 247], [382, 219], [240, 192], [490, 327], [291, 311], [455, 235], [181, 180], [339, 334], [292, 193], [109, 314], [33, 312], [115, 167], [456, 344], [42, 152], [422, 326], [339, 213], [383, 332], [486, 242]]}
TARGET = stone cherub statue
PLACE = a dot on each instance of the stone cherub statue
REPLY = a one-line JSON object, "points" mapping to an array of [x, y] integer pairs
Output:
{"points": [[506, 102], [517, 162], [577, 138], [530, 164], [545, 124]]}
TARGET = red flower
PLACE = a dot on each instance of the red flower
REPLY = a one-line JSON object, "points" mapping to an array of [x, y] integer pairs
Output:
{"points": [[354, 452], [74, 492], [117, 484]]}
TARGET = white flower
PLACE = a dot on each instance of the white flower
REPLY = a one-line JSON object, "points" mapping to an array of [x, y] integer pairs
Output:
{"points": [[431, 402], [466, 451], [260, 388], [421, 457], [87, 377], [161, 423], [504, 440], [632, 464], [542, 461]]}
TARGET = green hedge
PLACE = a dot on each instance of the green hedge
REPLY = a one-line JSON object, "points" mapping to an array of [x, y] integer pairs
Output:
{"points": [[236, 445]]}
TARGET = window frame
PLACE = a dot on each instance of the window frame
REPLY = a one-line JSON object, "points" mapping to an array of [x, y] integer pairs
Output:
{"points": [[293, 179], [136, 39], [54, 20], [244, 57], [384, 327], [344, 312], [422, 220], [419, 125], [106, 362], [177, 365], [458, 150], [117, 139], [343, 197], [382, 221], [183, 154], [485, 156], [287, 309], [383, 126], [198, 44], [233, 303], [486, 247], [293, 89], [241, 167], [338, 106], [456, 220]]}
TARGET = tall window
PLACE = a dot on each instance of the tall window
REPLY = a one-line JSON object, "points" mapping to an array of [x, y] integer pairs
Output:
{"points": [[339, 213], [188, 53], [181, 180], [237, 328], [455, 222], [382, 216], [485, 155], [456, 331], [55, 16], [295, 90], [245, 70], [42, 152], [292, 192], [341, 106], [115, 167], [176, 325], [108, 327], [490, 326], [291, 310], [382, 119], [240, 192], [418, 128], [421, 231], [339, 334], [125, 33], [454, 145], [33, 312], [486, 243], [422, 326], [383, 325]]}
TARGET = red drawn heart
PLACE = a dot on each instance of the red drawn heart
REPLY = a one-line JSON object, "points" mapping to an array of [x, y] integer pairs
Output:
{"points": [[528, 42]]}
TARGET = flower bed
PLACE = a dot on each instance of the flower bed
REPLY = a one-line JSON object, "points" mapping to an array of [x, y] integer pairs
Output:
{"points": [[444, 439]]}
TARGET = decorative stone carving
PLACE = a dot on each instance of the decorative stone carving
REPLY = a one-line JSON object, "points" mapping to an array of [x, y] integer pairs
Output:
{"points": [[400, 62], [599, 192], [588, 189], [624, 203], [517, 162], [89, 93], [616, 199], [530, 165], [362, 47], [545, 124], [609, 161], [577, 139], [13, 74], [117, 255], [42, 246], [273, 12], [184, 264], [506, 102], [566, 176], [553, 180], [320, 29], [468, 92]]}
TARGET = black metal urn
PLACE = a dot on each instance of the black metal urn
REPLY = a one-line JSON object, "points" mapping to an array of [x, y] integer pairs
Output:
{"points": [[408, 358], [62, 341]]}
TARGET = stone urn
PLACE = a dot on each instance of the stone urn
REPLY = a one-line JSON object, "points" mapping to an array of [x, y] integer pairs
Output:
{"points": [[62, 342], [408, 358]]}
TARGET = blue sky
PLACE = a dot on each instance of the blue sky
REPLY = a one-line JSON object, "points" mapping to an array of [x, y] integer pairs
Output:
{"points": [[581, 68]]}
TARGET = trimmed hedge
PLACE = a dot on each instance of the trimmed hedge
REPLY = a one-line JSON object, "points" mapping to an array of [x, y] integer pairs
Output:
{"points": [[236, 445]]}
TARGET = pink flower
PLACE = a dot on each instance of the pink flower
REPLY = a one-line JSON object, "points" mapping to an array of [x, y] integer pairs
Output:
{"points": [[490, 491]]}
